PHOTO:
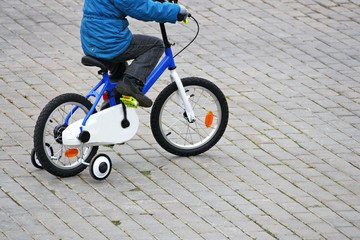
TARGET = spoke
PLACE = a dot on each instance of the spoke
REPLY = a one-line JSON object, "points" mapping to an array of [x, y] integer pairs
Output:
{"points": [[187, 134], [52, 142], [170, 129], [207, 99], [173, 116], [62, 114], [202, 129], [196, 102], [57, 155], [176, 121]]}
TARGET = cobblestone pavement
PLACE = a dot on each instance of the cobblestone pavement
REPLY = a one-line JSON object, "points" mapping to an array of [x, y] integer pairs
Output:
{"points": [[287, 167]]}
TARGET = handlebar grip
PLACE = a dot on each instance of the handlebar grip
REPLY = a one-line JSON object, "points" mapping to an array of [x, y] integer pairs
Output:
{"points": [[186, 20]]}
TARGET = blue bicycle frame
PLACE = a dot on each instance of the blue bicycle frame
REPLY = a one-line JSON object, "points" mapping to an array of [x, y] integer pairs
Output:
{"points": [[166, 63]]}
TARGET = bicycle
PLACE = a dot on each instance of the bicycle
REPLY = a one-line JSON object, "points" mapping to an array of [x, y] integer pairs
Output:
{"points": [[188, 117]]}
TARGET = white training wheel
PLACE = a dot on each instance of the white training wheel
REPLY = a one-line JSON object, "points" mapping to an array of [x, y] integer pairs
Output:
{"points": [[34, 160], [100, 167]]}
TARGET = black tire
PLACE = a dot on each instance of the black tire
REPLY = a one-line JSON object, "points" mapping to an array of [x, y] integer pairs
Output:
{"points": [[174, 132], [47, 135]]}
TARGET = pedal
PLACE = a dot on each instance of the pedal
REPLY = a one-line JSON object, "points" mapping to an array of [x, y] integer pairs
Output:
{"points": [[130, 101]]}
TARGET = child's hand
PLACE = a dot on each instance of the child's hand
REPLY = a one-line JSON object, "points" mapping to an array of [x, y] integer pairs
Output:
{"points": [[183, 13]]}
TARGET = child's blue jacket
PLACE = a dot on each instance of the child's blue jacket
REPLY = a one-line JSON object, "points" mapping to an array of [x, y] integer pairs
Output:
{"points": [[104, 27]]}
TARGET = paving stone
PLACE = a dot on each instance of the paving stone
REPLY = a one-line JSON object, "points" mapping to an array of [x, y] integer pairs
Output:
{"points": [[286, 168]]}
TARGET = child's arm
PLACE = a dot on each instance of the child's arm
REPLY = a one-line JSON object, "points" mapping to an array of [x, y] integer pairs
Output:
{"points": [[147, 10]]}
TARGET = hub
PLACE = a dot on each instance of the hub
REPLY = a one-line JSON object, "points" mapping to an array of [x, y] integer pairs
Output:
{"points": [[58, 133]]}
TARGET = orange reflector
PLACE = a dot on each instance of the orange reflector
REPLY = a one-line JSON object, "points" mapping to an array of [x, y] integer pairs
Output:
{"points": [[71, 152], [209, 119]]}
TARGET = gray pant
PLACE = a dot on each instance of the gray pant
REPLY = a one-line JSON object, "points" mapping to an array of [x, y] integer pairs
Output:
{"points": [[145, 51]]}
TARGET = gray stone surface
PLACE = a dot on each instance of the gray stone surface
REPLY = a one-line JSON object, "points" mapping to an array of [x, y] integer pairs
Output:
{"points": [[288, 166]]}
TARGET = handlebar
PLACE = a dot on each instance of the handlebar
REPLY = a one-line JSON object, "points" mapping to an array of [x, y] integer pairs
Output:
{"points": [[163, 29]]}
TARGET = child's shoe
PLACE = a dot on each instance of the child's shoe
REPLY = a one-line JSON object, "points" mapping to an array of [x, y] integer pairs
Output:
{"points": [[133, 87]]}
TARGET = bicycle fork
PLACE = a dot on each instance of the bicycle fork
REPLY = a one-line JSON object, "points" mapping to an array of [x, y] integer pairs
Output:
{"points": [[183, 98]]}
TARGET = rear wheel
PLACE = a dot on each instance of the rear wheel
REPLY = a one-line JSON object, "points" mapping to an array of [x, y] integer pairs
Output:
{"points": [[170, 125], [53, 155]]}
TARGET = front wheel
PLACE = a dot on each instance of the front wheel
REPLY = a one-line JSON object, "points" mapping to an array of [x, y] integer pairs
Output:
{"points": [[170, 125], [53, 155]]}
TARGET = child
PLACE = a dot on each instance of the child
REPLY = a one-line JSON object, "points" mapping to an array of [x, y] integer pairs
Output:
{"points": [[105, 35]]}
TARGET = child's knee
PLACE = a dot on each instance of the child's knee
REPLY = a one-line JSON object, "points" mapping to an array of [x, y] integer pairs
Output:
{"points": [[159, 44]]}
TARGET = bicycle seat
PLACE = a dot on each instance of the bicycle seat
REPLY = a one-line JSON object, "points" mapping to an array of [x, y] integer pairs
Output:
{"points": [[94, 62]]}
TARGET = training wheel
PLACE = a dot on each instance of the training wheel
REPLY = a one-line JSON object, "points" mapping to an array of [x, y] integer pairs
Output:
{"points": [[34, 160], [100, 167]]}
